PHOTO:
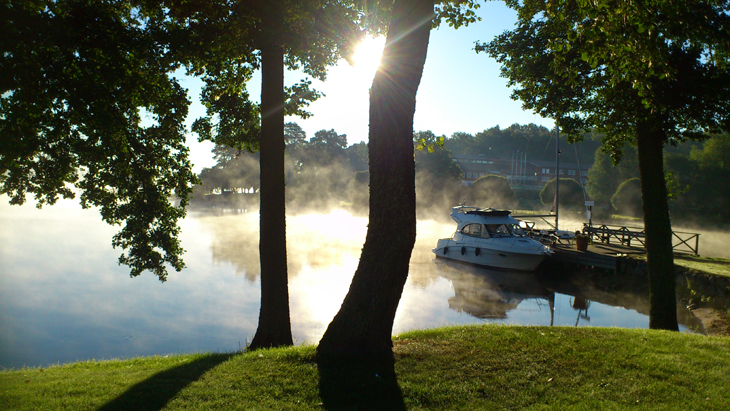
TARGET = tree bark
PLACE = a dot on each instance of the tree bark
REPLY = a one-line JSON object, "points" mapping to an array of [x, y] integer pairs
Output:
{"points": [[364, 324], [657, 225], [274, 327]]}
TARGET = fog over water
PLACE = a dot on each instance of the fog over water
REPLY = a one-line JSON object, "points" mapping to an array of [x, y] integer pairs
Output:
{"points": [[64, 298]]}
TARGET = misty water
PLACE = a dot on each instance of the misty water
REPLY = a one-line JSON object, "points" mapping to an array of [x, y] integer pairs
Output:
{"points": [[63, 297]]}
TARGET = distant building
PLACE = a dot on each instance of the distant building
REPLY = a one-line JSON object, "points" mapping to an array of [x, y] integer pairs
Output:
{"points": [[522, 173]]}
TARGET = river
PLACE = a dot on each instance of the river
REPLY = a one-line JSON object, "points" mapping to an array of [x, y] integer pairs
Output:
{"points": [[63, 297]]}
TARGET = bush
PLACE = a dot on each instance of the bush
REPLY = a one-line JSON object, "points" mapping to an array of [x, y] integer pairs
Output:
{"points": [[492, 191], [627, 198], [571, 194]]}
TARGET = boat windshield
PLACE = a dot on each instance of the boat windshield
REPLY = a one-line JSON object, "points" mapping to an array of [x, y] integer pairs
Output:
{"points": [[517, 230], [474, 230], [498, 230]]}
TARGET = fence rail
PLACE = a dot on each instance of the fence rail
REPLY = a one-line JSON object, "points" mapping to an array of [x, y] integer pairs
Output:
{"points": [[681, 241]]}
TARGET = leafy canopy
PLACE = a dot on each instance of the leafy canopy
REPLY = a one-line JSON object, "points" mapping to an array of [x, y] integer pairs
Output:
{"points": [[610, 64], [88, 105]]}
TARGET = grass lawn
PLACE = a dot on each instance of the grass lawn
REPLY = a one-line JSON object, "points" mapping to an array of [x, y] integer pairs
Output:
{"points": [[457, 368], [715, 266]]}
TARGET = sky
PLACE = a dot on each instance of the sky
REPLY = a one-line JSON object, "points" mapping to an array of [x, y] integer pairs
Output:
{"points": [[459, 91]]}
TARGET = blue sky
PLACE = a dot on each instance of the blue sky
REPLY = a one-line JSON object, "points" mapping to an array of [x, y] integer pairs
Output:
{"points": [[460, 90]]}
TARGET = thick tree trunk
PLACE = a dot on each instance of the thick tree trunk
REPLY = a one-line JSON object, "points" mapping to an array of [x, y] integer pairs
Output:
{"points": [[364, 324], [657, 225], [274, 324]]}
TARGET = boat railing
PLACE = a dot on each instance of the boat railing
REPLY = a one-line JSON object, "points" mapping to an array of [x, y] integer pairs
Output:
{"points": [[546, 238]]}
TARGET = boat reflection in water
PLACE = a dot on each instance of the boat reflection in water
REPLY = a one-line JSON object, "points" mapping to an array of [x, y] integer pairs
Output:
{"points": [[491, 294], [525, 298]]}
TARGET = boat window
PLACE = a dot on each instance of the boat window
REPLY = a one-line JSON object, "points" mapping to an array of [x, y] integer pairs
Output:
{"points": [[498, 230], [518, 231], [502, 229], [485, 232], [474, 230]]}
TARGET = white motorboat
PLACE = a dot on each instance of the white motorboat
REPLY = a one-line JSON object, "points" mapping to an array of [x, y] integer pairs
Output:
{"points": [[491, 238]]}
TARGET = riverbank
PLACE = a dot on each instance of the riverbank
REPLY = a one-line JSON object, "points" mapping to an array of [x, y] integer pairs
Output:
{"points": [[475, 367], [706, 265], [703, 285], [708, 282]]}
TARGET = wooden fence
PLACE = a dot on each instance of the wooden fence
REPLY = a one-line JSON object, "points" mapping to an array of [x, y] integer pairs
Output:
{"points": [[681, 241]]}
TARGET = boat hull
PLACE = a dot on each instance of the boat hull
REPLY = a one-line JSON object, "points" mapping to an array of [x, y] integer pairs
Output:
{"points": [[522, 260]]}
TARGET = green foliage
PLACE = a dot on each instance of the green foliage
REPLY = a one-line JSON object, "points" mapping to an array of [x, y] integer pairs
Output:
{"points": [[437, 174], [358, 156], [87, 99], [314, 35], [536, 141], [328, 146], [608, 65], [321, 170], [325, 148], [294, 134], [700, 183], [674, 187], [318, 171], [605, 176], [715, 153], [461, 143], [456, 13], [432, 158], [627, 199], [492, 191], [570, 194], [240, 172]]}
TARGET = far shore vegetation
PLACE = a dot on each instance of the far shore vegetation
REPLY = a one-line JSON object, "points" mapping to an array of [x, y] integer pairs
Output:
{"points": [[455, 368]]}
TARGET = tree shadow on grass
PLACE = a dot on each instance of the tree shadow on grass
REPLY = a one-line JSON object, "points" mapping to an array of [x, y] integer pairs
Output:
{"points": [[359, 384], [155, 392]]}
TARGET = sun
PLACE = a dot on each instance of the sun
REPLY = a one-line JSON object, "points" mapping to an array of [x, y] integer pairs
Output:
{"points": [[367, 56]]}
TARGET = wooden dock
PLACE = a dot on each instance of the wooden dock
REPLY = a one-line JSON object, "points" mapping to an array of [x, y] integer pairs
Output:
{"points": [[598, 255]]}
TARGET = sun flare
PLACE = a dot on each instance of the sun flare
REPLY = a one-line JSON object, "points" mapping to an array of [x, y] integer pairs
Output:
{"points": [[367, 55]]}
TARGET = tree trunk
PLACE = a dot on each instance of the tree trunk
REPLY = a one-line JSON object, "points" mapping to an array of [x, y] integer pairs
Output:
{"points": [[274, 328], [657, 225], [364, 324]]}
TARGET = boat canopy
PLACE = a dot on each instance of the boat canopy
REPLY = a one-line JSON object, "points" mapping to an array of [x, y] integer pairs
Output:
{"points": [[466, 215], [490, 212]]}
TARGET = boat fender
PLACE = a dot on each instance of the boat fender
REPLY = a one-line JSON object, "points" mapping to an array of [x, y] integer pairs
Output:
{"points": [[477, 251], [463, 250], [446, 250]]}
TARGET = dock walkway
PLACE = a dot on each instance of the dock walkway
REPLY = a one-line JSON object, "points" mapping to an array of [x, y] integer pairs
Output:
{"points": [[598, 255]]}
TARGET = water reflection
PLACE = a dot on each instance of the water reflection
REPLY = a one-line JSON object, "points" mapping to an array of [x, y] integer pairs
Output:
{"points": [[313, 240], [489, 294], [542, 298], [63, 298]]}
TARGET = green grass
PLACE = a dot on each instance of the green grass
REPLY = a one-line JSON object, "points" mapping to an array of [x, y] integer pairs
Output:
{"points": [[620, 217], [457, 368], [707, 265], [715, 266]]}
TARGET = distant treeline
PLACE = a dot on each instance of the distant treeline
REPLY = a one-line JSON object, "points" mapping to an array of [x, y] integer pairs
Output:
{"points": [[697, 176], [537, 142], [323, 171]]}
